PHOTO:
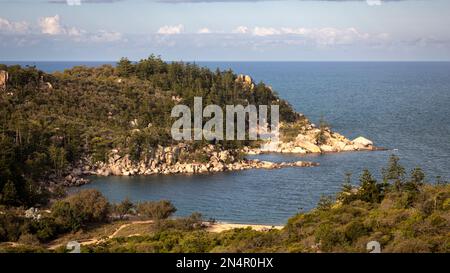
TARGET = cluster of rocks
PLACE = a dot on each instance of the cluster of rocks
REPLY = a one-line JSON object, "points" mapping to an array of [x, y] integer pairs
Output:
{"points": [[73, 179], [74, 175], [165, 160], [33, 213], [178, 159], [246, 81], [306, 142]]}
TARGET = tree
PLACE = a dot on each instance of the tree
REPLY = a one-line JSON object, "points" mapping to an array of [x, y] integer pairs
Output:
{"points": [[58, 158], [394, 172], [156, 210], [417, 179], [325, 202], [9, 194], [93, 205], [125, 68], [369, 190], [347, 185], [67, 218], [124, 208], [150, 66], [87, 206], [417, 176], [346, 194]]}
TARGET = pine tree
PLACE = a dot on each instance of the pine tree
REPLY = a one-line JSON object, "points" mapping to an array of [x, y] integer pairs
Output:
{"points": [[125, 68], [325, 202], [394, 172], [369, 190], [346, 194], [417, 176], [347, 185], [9, 194], [417, 179]]}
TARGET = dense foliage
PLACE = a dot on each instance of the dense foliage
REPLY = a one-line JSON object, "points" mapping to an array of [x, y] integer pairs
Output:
{"points": [[67, 215], [49, 121], [410, 216], [404, 214]]}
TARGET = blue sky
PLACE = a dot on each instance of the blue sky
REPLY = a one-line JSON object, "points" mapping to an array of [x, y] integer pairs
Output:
{"points": [[297, 30]]}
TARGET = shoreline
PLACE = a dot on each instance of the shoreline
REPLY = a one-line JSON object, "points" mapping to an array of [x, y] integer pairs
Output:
{"points": [[84, 177], [122, 166], [218, 227]]}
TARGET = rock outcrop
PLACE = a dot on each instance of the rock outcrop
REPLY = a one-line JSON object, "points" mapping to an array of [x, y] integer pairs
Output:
{"points": [[166, 160], [179, 159], [246, 81], [306, 142], [363, 141]]}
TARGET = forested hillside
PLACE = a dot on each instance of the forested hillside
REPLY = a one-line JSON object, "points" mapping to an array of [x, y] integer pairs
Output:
{"points": [[49, 121]]}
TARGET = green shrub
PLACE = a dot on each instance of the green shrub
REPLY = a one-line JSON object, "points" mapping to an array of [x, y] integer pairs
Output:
{"points": [[85, 207], [45, 229], [329, 237], [29, 239], [156, 210], [354, 230]]}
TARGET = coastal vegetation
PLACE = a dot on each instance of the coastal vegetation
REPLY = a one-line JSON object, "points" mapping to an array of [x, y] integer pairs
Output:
{"points": [[404, 212], [118, 119], [49, 122], [57, 129]]}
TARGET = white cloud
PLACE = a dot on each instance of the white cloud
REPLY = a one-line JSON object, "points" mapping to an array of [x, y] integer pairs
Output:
{"points": [[296, 31], [320, 36], [335, 36], [7, 26], [264, 31], [74, 32], [374, 2], [241, 30], [169, 30], [204, 31], [51, 25]]}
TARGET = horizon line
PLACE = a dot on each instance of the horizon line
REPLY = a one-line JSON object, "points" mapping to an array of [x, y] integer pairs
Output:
{"points": [[247, 61]]}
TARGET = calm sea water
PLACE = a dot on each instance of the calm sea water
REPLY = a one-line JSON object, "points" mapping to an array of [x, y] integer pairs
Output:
{"points": [[404, 107]]}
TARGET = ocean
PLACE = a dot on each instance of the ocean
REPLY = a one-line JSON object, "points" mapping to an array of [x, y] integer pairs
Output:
{"points": [[401, 106]]}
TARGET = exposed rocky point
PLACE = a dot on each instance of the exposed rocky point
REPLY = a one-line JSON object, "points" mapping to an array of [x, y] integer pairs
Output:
{"points": [[306, 141]]}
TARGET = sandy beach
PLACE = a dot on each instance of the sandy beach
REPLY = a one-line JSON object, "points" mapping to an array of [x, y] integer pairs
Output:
{"points": [[223, 226]]}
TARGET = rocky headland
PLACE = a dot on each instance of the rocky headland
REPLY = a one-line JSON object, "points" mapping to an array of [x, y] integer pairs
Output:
{"points": [[171, 160], [299, 137], [168, 160], [306, 142]]}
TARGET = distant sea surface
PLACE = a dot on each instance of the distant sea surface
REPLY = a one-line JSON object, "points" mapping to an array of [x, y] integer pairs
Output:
{"points": [[404, 107]]}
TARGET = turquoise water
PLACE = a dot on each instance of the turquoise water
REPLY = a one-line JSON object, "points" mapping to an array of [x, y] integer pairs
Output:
{"points": [[404, 107]]}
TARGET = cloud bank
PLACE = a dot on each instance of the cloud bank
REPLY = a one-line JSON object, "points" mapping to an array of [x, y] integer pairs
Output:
{"points": [[51, 27]]}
